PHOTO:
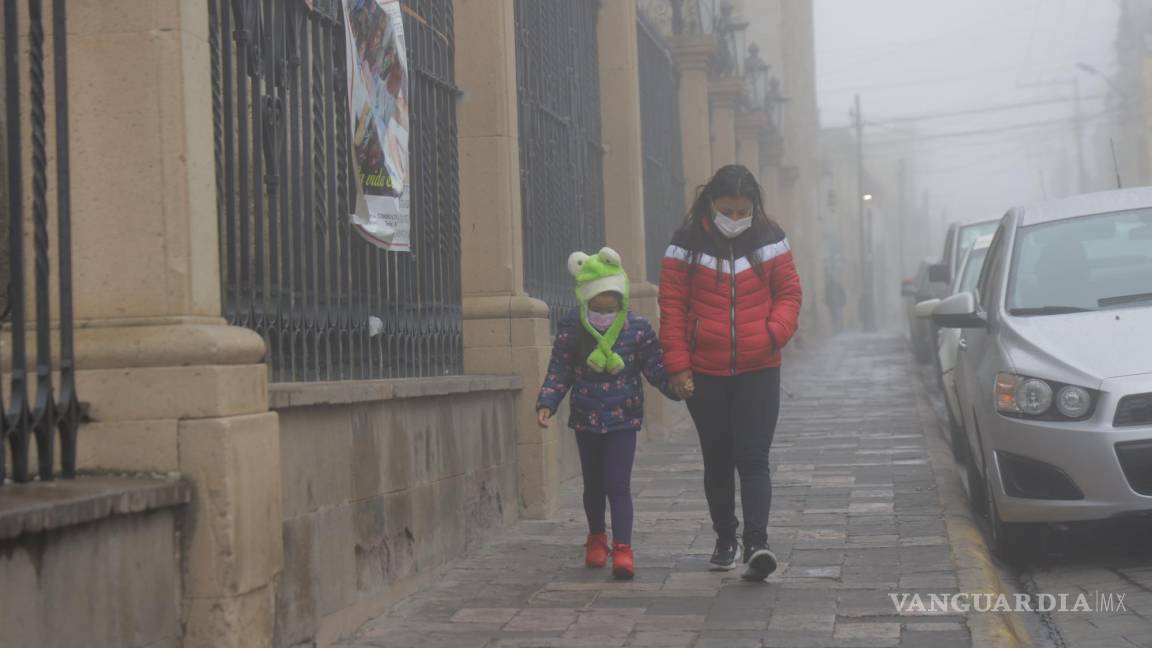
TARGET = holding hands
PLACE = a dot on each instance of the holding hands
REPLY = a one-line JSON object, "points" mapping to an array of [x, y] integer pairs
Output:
{"points": [[682, 384]]}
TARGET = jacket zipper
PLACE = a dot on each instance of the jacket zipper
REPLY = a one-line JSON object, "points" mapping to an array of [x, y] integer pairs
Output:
{"points": [[732, 291], [695, 334]]}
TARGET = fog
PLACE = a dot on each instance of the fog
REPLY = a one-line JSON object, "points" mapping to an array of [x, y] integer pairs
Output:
{"points": [[979, 92]]}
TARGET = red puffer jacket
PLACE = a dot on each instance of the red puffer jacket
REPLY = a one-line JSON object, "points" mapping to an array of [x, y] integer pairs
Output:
{"points": [[721, 323]]}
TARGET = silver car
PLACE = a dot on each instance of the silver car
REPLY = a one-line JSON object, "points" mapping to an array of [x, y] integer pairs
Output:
{"points": [[1055, 365], [948, 340]]}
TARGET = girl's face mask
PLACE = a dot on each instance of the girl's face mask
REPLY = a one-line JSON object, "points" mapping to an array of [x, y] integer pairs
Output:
{"points": [[601, 321]]}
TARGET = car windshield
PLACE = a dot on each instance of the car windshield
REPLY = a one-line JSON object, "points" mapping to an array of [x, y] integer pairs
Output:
{"points": [[972, 270], [969, 233], [1085, 263]]}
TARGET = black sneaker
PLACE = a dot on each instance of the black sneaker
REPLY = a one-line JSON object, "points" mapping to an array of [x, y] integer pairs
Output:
{"points": [[724, 556], [760, 561]]}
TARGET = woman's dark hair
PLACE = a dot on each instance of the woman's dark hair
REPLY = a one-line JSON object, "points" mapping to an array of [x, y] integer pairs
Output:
{"points": [[731, 181]]}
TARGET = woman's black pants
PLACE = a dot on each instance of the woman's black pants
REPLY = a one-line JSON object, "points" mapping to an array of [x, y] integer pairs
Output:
{"points": [[735, 418]]}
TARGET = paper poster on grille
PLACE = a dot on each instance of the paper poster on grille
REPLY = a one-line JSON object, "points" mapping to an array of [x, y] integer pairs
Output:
{"points": [[378, 101]]}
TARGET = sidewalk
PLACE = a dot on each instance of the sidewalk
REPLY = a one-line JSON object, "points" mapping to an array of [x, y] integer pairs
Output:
{"points": [[855, 516]]}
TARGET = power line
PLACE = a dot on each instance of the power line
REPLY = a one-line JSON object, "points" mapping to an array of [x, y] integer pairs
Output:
{"points": [[987, 131], [973, 74], [975, 111]]}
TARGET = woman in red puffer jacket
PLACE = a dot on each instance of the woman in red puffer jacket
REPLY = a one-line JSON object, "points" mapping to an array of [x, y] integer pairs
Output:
{"points": [[729, 303]]}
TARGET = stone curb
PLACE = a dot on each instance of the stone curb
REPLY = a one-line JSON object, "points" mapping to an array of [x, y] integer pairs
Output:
{"points": [[975, 571]]}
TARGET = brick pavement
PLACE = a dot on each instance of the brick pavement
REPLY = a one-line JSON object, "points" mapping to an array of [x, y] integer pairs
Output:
{"points": [[855, 516], [1111, 565]]}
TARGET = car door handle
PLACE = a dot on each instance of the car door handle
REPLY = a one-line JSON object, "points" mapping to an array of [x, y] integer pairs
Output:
{"points": [[963, 345]]}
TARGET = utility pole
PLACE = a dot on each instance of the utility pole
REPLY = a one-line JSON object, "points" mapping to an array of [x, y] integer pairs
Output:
{"points": [[866, 302], [903, 215], [1081, 174]]}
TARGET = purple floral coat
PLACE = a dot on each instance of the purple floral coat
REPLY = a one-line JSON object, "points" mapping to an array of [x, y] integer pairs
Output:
{"points": [[602, 402]]}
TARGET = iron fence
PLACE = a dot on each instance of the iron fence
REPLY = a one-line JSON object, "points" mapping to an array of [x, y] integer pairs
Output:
{"points": [[664, 207], [561, 154], [330, 305], [38, 407]]}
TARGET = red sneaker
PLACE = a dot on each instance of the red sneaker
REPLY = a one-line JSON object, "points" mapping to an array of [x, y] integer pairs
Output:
{"points": [[596, 550], [623, 562]]}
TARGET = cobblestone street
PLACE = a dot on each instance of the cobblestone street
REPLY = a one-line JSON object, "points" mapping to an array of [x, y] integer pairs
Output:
{"points": [[856, 516]]}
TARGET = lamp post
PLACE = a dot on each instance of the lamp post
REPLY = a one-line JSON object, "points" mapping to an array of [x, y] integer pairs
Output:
{"points": [[739, 38], [755, 79]]}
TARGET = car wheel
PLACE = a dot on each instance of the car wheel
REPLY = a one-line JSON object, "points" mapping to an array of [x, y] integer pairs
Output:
{"points": [[1010, 542]]}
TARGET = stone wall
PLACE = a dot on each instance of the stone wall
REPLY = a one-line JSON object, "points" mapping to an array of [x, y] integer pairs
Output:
{"points": [[383, 483], [91, 562]]}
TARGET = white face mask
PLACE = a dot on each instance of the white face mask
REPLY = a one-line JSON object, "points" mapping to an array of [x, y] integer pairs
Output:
{"points": [[601, 321], [729, 227]]}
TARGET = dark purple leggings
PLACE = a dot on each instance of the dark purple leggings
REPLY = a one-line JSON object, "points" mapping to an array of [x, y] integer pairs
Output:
{"points": [[606, 461]]}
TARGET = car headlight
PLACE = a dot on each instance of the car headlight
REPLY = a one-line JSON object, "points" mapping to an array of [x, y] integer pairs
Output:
{"points": [[1034, 398], [1073, 402]]}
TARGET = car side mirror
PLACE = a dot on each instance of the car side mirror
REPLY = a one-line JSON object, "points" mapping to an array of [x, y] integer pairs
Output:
{"points": [[959, 312], [925, 309], [940, 273]]}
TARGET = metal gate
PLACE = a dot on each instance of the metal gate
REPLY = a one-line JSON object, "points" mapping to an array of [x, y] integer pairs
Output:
{"points": [[664, 207], [330, 305], [561, 154], [37, 405]]}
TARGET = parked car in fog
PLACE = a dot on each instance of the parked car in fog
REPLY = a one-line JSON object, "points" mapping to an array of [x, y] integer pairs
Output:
{"points": [[1054, 370], [933, 281], [960, 237], [921, 331], [948, 340]]}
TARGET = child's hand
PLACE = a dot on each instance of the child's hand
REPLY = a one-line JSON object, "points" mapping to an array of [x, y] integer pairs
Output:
{"points": [[543, 417], [682, 384]]}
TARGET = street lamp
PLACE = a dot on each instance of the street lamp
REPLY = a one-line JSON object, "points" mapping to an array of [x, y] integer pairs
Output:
{"points": [[729, 37], [755, 78], [739, 38]]}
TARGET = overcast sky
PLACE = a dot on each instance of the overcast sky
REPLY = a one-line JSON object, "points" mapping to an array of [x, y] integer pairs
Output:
{"points": [[931, 57]]}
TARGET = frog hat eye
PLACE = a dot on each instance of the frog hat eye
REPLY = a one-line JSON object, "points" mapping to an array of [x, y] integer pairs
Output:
{"points": [[576, 261], [609, 256]]}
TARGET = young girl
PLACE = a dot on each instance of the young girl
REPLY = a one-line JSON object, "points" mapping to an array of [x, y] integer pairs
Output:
{"points": [[729, 302], [599, 355]]}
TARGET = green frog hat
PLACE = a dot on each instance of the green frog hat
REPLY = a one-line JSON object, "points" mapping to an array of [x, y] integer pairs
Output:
{"points": [[594, 275]]}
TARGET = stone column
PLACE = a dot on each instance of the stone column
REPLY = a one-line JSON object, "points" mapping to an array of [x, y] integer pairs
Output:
{"points": [[693, 54], [505, 331], [724, 94], [621, 131], [172, 388], [749, 127]]}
